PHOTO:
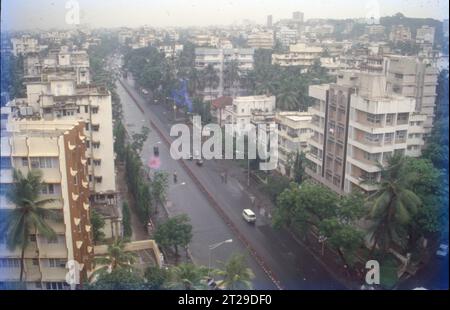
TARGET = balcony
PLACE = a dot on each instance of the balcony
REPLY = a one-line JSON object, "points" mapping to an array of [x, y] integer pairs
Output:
{"points": [[57, 274]]}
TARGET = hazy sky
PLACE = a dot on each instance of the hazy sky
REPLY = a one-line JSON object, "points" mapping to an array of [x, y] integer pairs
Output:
{"points": [[43, 14]]}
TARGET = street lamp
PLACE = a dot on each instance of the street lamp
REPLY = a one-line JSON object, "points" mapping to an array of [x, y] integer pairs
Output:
{"points": [[248, 167], [215, 246]]}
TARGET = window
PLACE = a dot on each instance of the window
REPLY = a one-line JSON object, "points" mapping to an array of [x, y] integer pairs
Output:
{"points": [[86, 110], [372, 156], [55, 285], [398, 76], [402, 118], [88, 143], [5, 162], [400, 135], [35, 262], [374, 118], [75, 180], [25, 161], [89, 161], [9, 263], [90, 177], [94, 110], [388, 137], [98, 179], [56, 263], [390, 119], [32, 238], [373, 138], [95, 127], [95, 145], [97, 162], [41, 162], [86, 126]]}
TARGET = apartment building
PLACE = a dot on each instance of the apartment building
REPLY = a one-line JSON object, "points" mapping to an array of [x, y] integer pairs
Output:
{"points": [[60, 98], [242, 111], [425, 35], [375, 29], [299, 55], [57, 148], [24, 45], [400, 33], [219, 58], [357, 123], [261, 39], [287, 36], [414, 78], [294, 131]]}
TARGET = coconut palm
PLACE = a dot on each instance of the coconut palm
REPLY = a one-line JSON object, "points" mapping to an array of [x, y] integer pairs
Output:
{"points": [[29, 215], [188, 277], [116, 258], [210, 78], [236, 274], [393, 205], [231, 75], [287, 100]]}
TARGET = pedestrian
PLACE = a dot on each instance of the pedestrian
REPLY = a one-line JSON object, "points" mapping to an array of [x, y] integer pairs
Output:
{"points": [[226, 176], [175, 177], [222, 177]]}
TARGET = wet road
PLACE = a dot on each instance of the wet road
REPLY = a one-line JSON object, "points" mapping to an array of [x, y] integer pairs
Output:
{"points": [[292, 264]]}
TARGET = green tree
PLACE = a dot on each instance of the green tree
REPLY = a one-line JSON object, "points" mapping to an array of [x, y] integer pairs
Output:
{"points": [[176, 231], [210, 78], [138, 139], [236, 274], [29, 215], [118, 279], [119, 140], [97, 223], [299, 167], [187, 276], [231, 76], [159, 185], [156, 278], [126, 220], [393, 205], [115, 258]]}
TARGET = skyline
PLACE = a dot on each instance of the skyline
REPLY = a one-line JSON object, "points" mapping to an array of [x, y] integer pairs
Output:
{"points": [[49, 14]]}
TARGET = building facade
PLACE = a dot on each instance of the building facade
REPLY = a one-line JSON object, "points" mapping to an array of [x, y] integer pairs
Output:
{"points": [[58, 149]]}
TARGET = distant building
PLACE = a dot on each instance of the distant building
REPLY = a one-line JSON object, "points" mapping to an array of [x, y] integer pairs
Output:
{"points": [[287, 36], [261, 39], [24, 45], [375, 29], [293, 134], [219, 58], [269, 21], [298, 16], [299, 55], [425, 35], [400, 33]]}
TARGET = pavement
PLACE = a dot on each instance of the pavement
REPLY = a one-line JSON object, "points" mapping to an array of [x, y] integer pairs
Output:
{"points": [[289, 261]]}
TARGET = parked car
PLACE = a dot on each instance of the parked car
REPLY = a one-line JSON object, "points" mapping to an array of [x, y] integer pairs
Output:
{"points": [[199, 162], [249, 215]]}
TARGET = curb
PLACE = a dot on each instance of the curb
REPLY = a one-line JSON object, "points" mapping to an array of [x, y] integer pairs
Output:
{"points": [[213, 202]]}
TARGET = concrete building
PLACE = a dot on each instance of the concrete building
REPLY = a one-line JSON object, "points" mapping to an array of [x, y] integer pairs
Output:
{"points": [[24, 45], [242, 111], [269, 21], [57, 148], [425, 35], [298, 55], [417, 79], [293, 134], [219, 58], [298, 16], [375, 29], [59, 97], [261, 39], [400, 33], [287, 36], [356, 124]]}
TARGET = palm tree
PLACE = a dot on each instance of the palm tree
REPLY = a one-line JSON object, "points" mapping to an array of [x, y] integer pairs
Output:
{"points": [[188, 277], [116, 258], [210, 78], [393, 205], [287, 100], [236, 274], [29, 214], [195, 81], [232, 75]]}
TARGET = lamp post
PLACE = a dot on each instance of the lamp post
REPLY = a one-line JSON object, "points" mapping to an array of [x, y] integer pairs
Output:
{"points": [[215, 246]]}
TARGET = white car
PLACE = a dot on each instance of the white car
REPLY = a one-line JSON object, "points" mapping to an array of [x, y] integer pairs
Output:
{"points": [[443, 250], [249, 215]]}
